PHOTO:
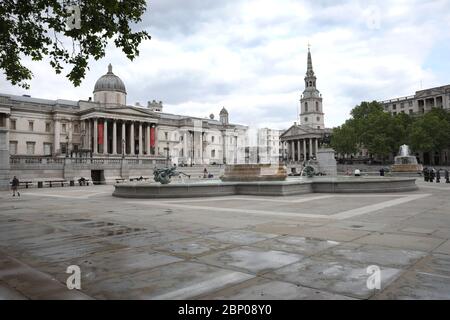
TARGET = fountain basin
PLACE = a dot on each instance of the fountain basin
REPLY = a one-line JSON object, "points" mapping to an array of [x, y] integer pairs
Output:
{"points": [[254, 172], [215, 188]]}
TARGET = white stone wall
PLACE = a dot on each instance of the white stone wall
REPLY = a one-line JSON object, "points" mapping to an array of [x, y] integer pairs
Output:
{"points": [[110, 97]]}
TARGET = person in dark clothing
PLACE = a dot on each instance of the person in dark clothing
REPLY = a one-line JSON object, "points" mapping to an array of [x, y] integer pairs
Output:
{"points": [[14, 185]]}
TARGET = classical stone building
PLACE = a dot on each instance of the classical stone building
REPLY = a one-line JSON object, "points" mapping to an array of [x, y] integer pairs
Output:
{"points": [[419, 103], [269, 145], [94, 138], [422, 101], [301, 141]]}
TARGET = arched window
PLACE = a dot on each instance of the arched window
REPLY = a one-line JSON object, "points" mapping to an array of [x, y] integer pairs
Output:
{"points": [[317, 106], [306, 106], [318, 118], [310, 83]]}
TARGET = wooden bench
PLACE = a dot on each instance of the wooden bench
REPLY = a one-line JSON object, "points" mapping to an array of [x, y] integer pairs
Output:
{"points": [[51, 182], [139, 179], [22, 183]]}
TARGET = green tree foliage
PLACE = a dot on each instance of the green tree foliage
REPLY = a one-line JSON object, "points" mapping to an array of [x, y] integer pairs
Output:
{"points": [[39, 29], [431, 132], [382, 133], [344, 139]]}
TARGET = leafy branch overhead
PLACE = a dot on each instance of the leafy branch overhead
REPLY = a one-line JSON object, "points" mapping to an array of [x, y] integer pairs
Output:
{"points": [[39, 29]]}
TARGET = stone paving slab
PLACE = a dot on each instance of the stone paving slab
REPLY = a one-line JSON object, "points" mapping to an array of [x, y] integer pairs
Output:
{"points": [[342, 277], [402, 241], [443, 248], [332, 233], [251, 260], [418, 286], [183, 280], [264, 289], [304, 246], [436, 264], [374, 255], [36, 284], [242, 237], [193, 247]]}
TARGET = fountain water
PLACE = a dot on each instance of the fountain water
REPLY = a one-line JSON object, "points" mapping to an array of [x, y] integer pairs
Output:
{"points": [[405, 162]]}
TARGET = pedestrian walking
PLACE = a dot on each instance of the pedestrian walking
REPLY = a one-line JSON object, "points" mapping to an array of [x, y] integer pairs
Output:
{"points": [[14, 186]]}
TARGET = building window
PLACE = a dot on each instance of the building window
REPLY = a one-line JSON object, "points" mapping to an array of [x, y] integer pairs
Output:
{"points": [[2, 120], [181, 139], [47, 149], [410, 111], [30, 147], [30, 125], [402, 105], [118, 98], [63, 147], [76, 128], [317, 106], [213, 153], [306, 119], [64, 128], [318, 118], [166, 136], [48, 127], [12, 124], [212, 139], [13, 147], [410, 103], [306, 106], [394, 106]]}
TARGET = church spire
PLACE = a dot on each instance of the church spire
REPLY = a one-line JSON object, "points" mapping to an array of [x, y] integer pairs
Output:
{"points": [[309, 71], [310, 78]]}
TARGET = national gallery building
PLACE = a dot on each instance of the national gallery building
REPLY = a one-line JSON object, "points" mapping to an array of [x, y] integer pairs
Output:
{"points": [[97, 134]]}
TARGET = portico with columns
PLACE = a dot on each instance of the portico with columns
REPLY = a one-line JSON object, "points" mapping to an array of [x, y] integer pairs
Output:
{"points": [[109, 134]]}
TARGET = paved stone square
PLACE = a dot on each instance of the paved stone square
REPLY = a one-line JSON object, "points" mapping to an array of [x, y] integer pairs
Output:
{"points": [[313, 246]]}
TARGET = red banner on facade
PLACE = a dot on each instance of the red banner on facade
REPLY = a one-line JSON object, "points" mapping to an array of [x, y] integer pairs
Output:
{"points": [[100, 133], [152, 137]]}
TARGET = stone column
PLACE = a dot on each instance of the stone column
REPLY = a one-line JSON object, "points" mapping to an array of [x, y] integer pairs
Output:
{"points": [[140, 139], [147, 139], [123, 146], [185, 147], [317, 145], [114, 143], [304, 149], [132, 150], [89, 134], [57, 136], [299, 151], [292, 150], [95, 136], [105, 136]]}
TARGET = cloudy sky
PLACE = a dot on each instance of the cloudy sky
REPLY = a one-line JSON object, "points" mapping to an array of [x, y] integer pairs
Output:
{"points": [[250, 56]]}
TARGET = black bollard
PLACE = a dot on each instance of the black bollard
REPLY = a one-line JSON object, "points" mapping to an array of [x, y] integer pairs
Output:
{"points": [[447, 179], [438, 177], [426, 175], [431, 175]]}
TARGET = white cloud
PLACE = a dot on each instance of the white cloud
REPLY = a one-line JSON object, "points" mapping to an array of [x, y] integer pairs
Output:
{"points": [[250, 56]]}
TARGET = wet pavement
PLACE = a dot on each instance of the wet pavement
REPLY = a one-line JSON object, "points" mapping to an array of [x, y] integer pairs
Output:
{"points": [[237, 247]]}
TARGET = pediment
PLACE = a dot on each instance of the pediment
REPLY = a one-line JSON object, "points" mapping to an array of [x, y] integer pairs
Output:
{"points": [[431, 92], [295, 131]]}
